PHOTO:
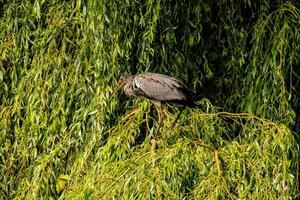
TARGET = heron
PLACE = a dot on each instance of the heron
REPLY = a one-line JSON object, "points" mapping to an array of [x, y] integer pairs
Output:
{"points": [[158, 88]]}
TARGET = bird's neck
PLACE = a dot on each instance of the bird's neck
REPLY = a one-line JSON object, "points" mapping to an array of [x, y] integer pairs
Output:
{"points": [[128, 89]]}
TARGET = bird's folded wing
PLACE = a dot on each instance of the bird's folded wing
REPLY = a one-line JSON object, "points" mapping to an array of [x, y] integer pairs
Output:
{"points": [[160, 87]]}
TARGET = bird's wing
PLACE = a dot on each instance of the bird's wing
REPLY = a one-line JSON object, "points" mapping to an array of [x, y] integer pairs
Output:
{"points": [[160, 87]]}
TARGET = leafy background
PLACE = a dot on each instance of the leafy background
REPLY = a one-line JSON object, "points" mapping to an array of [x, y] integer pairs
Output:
{"points": [[62, 137]]}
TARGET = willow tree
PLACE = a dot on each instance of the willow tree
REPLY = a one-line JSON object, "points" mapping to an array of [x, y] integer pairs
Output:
{"points": [[62, 137]]}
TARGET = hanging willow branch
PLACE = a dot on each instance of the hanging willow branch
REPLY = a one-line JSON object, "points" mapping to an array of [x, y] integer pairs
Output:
{"points": [[62, 138]]}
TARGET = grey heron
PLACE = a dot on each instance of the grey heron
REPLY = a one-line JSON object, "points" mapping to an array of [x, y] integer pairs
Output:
{"points": [[157, 88]]}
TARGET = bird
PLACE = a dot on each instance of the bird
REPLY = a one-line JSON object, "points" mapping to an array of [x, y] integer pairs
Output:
{"points": [[158, 88]]}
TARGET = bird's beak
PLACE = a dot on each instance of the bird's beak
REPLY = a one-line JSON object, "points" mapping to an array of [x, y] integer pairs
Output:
{"points": [[117, 88]]}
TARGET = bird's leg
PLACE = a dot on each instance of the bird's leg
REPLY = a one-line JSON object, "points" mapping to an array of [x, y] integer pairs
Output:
{"points": [[158, 107], [160, 115], [151, 131], [180, 112], [152, 139]]}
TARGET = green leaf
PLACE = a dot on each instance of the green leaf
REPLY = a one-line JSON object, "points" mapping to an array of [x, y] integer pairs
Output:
{"points": [[61, 182]]}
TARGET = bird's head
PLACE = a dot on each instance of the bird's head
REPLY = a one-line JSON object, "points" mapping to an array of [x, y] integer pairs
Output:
{"points": [[124, 79]]}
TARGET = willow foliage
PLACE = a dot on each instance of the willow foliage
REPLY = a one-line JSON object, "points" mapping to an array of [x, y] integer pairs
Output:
{"points": [[61, 137], [274, 39]]}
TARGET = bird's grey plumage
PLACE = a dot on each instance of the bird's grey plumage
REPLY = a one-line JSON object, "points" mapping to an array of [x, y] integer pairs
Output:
{"points": [[162, 88], [158, 87]]}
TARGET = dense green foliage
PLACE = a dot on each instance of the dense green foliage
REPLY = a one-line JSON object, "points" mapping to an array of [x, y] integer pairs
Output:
{"points": [[62, 137]]}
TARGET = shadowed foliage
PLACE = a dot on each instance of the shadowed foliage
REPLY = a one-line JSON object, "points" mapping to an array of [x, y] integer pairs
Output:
{"points": [[61, 137]]}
